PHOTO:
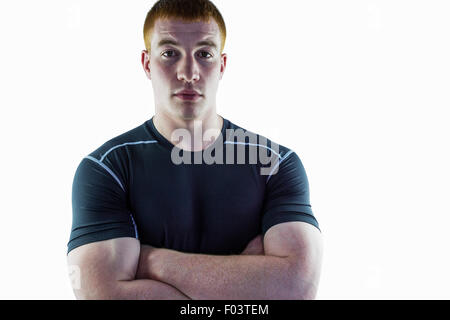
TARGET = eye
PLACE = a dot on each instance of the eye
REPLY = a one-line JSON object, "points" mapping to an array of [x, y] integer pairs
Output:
{"points": [[203, 52], [168, 51]]}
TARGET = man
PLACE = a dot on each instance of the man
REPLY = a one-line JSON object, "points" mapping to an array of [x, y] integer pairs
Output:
{"points": [[153, 220]]}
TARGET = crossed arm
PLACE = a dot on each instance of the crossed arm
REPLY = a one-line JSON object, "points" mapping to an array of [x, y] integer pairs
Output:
{"points": [[285, 265]]}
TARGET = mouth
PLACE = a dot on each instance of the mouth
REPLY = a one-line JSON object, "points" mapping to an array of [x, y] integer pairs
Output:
{"points": [[188, 97]]}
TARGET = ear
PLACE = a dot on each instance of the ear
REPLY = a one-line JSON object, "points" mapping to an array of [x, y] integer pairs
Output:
{"points": [[223, 64], [145, 60]]}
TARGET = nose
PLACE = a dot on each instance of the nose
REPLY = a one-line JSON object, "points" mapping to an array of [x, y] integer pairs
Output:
{"points": [[188, 70]]}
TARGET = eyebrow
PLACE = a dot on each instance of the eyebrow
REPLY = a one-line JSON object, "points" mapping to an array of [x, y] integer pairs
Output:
{"points": [[209, 43]]}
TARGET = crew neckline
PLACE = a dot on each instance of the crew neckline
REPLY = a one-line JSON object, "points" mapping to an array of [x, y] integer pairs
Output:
{"points": [[169, 145]]}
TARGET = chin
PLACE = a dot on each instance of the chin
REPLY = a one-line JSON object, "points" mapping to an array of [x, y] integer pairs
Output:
{"points": [[190, 112]]}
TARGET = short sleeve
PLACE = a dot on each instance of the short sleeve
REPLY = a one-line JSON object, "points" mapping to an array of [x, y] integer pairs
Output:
{"points": [[287, 194], [99, 206]]}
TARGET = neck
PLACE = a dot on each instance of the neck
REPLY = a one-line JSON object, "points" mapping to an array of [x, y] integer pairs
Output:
{"points": [[196, 134]]}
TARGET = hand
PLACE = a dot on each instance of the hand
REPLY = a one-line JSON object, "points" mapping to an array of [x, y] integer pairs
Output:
{"points": [[255, 247]]}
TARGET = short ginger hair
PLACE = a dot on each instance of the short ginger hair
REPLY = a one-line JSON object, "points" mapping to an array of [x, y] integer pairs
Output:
{"points": [[185, 10]]}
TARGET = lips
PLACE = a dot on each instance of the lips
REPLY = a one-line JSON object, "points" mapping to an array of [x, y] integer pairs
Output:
{"points": [[188, 95]]}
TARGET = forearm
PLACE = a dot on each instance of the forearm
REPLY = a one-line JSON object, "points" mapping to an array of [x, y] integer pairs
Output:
{"points": [[148, 290], [225, 277], [133, 290]]}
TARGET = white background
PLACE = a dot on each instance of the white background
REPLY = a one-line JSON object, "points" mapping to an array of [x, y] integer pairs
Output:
{"points": [[359, 89]]}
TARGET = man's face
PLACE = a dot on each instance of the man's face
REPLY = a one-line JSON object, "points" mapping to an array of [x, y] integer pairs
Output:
{"points": [[185, 56]]}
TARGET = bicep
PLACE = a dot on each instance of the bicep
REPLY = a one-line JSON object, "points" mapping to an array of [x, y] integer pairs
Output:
{"points": [[102, 264], [300, 243], [287, 195]]}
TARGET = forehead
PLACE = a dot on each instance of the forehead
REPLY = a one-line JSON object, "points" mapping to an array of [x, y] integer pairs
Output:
{"points": [[178, 28]]}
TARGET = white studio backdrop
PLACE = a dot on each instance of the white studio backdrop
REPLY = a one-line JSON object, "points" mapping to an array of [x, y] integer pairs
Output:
{"points": [[359, 89]]}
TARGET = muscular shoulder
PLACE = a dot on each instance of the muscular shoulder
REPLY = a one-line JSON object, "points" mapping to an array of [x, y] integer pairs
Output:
{"points": [[239, 135], [136, 135]]}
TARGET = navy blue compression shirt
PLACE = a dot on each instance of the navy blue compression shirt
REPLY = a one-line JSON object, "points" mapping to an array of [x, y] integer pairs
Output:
{"points": [[131, 187]]}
